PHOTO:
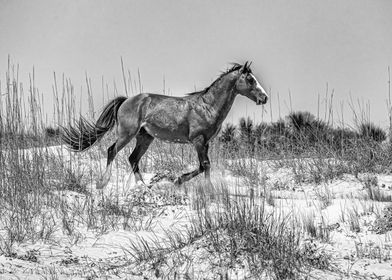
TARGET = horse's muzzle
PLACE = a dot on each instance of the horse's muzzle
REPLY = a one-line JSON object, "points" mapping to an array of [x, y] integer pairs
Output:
{"points": [[262, 100]]}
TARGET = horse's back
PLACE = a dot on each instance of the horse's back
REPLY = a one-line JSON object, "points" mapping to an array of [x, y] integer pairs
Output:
{"points": [[164, 117]]}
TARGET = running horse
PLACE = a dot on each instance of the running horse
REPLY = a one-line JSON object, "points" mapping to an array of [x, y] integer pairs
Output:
{"points": [[195, 118]]}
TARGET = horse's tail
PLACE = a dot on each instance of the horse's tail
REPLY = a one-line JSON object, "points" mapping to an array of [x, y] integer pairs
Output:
{"points": [[84, 134]]}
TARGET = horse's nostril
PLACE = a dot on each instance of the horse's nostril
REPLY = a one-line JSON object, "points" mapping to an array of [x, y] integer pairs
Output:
{"points": [[261, 101]]}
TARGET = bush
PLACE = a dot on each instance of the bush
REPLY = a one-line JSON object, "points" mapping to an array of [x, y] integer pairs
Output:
{"points": [[246, 133], [300, 121], [371, 131], [228, 133]]}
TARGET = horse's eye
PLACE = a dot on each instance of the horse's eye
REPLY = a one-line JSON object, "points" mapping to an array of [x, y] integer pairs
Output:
{"points": [[250, 79]]}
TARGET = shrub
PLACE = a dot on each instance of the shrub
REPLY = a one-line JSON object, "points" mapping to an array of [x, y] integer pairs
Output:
{"points": [[300, 121], [228, 133], [246, 134], [371, 131]]}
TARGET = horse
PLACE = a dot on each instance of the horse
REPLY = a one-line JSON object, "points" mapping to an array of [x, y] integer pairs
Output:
{"points": [[195, 118]]}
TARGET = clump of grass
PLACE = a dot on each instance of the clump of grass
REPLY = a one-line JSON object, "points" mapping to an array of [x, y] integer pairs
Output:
{"points": [[228, 133], [374, 192], [372, 251], [74, 182], [249, 170], [317, 230], [372, 132], [315, 256], [325, 196], [383, 223], [319, 168], [353, 219], [51, 132]]}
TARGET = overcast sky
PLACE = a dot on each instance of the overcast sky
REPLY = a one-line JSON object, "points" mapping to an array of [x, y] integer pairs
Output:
{"points": [[296, 46]]}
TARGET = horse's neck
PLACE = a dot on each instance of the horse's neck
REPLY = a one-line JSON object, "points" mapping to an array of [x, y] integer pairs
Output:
{"points": [[220, 97]]}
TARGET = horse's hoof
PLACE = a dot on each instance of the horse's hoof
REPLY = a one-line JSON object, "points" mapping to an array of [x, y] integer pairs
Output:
{"points": [[140, 183], [177, 182]]}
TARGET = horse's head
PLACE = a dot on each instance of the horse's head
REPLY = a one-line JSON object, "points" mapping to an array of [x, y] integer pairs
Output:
{"points": [[248, 86]]}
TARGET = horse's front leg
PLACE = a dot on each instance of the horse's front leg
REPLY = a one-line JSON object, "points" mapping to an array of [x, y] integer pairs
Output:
{"points": [[204, 163]]}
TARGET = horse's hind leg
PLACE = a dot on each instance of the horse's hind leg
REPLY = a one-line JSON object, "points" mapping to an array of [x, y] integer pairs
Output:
{"points": [[112, 152], [143, 141]]}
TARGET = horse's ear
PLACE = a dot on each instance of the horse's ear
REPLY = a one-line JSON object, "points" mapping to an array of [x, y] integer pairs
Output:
{"points": [[244, 68], [250, 63]]}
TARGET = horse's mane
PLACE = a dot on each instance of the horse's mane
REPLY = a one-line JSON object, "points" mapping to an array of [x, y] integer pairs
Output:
{"points": [[235, 67]]}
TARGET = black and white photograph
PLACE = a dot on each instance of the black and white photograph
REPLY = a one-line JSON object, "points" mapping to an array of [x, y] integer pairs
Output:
{"points": [[221, 139]]}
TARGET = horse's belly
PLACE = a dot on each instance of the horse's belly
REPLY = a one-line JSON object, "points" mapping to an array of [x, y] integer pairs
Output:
{"points": [[168, 122], [177, 134]]}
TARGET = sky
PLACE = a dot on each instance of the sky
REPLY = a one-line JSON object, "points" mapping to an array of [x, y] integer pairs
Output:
{"points": [[300, 50]]}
